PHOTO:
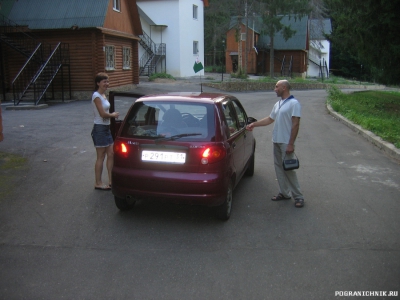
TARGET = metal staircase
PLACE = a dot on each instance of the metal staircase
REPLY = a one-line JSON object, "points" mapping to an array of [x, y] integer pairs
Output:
{"points": [[41, 67], [323, 69], [154, 54], [322, 65], [286, 68]]}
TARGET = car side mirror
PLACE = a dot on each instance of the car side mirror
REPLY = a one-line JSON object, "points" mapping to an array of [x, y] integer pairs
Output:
{"points": [[251, 120]]}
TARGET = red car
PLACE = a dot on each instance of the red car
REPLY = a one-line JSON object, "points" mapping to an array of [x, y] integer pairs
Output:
{"points": [[188, 148]]}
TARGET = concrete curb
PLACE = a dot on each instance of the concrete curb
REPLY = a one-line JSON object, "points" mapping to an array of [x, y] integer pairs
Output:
{"points": [[253, 85], [386, 147]]}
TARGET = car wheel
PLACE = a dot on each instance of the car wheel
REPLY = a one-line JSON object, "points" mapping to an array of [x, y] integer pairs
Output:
{"points": [[250, 167], [125, 204], [224, 210]]}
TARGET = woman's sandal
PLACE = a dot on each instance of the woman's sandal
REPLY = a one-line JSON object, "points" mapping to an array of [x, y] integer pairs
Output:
{"points": [[279, 197], [299, 202], [104, 187]]}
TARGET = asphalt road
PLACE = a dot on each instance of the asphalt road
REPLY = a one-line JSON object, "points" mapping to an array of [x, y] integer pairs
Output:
{"points": [[61, 239]]}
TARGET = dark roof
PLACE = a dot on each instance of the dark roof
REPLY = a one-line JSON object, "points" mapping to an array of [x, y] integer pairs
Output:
{"points": [[253, 23], [5, 7], [297, 42], [52, 14], [318, 28]]}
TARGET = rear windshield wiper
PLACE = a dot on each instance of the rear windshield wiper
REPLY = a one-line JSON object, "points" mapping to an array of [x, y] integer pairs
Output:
{"points": [[177, 136]]}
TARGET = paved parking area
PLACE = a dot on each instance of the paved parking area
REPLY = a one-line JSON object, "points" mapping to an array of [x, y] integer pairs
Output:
{"points": [[60, 238]]}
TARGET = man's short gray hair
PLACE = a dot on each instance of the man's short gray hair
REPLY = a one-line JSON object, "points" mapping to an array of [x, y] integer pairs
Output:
{"points": [[285, 83]]}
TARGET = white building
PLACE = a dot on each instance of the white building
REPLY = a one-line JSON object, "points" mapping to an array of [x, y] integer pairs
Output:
{"points": [[174, 33], [319, 48]]}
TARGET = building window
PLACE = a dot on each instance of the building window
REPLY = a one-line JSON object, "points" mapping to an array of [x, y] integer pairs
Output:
{"points": [[117, 5], [110, 58], [126, 53], [195, 12], [195, 47]]}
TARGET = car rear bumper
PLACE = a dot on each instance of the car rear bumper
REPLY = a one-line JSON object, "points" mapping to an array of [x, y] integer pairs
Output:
{"points": [[188, 188]]}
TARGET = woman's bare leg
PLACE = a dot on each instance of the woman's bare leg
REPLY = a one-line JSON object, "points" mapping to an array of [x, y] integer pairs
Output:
{"points": [[98, 167], [110, 162]]}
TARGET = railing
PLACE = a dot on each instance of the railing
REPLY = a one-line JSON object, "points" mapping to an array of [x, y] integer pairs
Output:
{"points": [[326, 69], [314, 58], [147, 43], [283, 65], [47, 73], [39, 76], [152, 56], [323, 65], [284, 68], [160, 53], [25, 76], [148, 62], [144, 62], [161, 50], [36, 71]]}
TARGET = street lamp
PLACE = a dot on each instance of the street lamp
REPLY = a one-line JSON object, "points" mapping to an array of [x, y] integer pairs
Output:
{"points": [[223, 58]]}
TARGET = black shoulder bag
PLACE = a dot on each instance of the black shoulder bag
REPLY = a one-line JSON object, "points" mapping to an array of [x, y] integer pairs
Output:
{"points": [[291, 164]]}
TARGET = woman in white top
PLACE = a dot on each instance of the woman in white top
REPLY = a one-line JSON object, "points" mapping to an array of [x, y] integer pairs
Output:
{"points": [[101, 133]]}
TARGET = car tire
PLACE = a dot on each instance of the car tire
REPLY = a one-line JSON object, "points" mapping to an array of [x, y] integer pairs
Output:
{"points": [[124, 204], [250, 167], [224, 210]]}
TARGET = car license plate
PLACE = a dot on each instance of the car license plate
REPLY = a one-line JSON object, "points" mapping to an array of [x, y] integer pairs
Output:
{"points": [[161, 156]]}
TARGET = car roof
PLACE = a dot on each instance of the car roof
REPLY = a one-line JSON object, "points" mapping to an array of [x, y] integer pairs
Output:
{"points": [[187, 97]]}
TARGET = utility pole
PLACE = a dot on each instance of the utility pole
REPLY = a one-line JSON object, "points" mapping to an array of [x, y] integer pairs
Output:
{"points": [[240, 44], [245, 42]]}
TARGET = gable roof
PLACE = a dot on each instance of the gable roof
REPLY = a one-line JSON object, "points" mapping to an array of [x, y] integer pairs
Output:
{"points": [[254, 23], [52, 14], [318, 28], [5, 7], [297, 42]]}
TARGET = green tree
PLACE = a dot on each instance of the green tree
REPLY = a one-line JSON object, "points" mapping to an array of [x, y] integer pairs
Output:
{"points": [[272, 12], [369, 30], [217, 18]]}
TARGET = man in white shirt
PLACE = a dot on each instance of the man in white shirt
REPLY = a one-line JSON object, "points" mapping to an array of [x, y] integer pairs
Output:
{"points": [[286, 115]]}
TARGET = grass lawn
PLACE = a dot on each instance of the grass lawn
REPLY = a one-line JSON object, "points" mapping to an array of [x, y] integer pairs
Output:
{"points": [[376, 111]]}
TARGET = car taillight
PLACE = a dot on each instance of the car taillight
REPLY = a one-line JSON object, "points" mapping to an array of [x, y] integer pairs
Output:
{"points": [[120, 148], [213, 154]]}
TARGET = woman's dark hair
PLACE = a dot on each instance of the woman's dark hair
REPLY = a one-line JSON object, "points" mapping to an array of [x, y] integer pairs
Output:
{"points": [[99, 77]]}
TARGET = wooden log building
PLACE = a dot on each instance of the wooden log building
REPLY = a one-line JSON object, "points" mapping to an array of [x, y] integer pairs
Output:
{"points": [[99, 36]]}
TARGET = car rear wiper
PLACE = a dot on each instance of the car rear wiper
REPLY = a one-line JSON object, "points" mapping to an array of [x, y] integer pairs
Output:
{"points": [[177, 136]]}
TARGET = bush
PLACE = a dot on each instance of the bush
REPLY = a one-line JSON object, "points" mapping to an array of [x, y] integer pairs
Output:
{"points": [[240, 74]]}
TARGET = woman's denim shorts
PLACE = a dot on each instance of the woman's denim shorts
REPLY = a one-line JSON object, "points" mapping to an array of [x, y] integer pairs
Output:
{"points": [[101, 135]]}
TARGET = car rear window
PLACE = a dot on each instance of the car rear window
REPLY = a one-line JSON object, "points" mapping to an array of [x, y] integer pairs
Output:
{"points": [[153, 120]]}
